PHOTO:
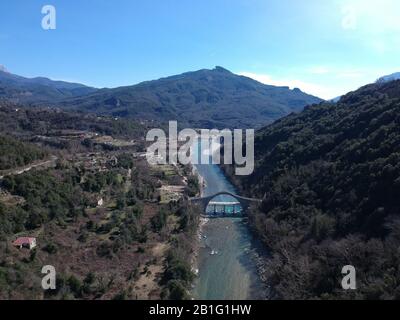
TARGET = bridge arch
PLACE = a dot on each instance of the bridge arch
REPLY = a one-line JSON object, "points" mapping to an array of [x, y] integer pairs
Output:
{"points": [[245, 203]]}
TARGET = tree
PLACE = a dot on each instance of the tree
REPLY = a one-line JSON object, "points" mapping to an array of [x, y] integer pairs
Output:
{"points": [[177, 291]]}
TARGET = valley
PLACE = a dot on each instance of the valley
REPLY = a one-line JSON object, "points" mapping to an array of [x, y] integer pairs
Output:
{"points": [[80, 182], [127, 223], [199, 159]]}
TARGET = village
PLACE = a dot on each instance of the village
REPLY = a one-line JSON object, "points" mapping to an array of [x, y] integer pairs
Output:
{"points": [[94, 155]]}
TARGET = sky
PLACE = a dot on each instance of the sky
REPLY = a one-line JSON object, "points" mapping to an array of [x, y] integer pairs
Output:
{"points": [[325, 48]]}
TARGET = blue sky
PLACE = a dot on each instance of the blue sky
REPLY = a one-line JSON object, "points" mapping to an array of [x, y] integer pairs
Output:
{"points": [[325, 47]]}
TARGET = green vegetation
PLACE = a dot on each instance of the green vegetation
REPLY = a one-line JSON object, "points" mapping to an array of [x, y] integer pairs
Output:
{"points": [[99, 180], [178, 276], [125, 161], [41, 89], [47, 198], [330, 178], [21, 120], [101, 250], [206, 98], [202, 99], [159, 221], [114, 241], [14, 153], [193, 187]]}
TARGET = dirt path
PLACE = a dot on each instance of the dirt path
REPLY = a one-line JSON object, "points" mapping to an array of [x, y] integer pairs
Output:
{"points": [[18, 171]]}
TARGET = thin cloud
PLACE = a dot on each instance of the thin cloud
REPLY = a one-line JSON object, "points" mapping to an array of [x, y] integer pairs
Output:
{"points": [[372, 16], [327, 82], [320, 70], [310, 88]]}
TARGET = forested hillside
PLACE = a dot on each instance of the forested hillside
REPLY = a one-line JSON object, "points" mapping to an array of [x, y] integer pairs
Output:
{"points": [[214, 98], [14, 153], [330, 179], [28, 90], [101, 215], [22, 120]]}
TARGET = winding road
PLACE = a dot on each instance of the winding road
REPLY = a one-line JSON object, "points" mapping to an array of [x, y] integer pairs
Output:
{"points": [[21, 170]]}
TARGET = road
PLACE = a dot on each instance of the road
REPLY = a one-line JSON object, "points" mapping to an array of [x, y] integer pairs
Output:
{"points": [[18, 171]]}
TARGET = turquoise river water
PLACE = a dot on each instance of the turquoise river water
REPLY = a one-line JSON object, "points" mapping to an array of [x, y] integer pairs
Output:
{"points": [[227, 268]]}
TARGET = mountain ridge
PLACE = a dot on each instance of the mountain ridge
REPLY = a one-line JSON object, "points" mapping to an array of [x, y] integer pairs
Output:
{"points": [[204, 98], [20, 89]]}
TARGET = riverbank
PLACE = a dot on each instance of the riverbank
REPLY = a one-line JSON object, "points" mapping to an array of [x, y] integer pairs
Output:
{"points": [[202, 182], [262, 255], [226, 254], [199, 231]]}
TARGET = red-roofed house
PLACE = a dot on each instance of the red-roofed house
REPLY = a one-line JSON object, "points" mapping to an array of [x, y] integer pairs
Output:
{"points": [[25, 242]]}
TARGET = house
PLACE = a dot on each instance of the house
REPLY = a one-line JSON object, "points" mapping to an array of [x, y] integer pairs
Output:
{"points": [[100, 202], [25, 242]]}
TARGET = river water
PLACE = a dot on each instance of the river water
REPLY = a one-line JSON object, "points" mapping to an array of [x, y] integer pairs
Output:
{"points": [[226, 258]]}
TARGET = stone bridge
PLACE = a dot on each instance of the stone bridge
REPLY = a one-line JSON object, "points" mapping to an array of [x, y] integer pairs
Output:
{"points": [[244, 202]]}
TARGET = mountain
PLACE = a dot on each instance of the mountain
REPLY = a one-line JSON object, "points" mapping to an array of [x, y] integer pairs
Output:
{"points": [[37, 90], [204, 98], [393, 76], [330, 179]]}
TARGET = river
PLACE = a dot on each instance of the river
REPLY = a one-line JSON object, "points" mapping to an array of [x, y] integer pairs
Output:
{"points": [[226, 258]]}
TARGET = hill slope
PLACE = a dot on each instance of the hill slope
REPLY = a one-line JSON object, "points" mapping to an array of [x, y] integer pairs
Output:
{"points": [[331, 181], [55, 166], [35, 90], [205, 98]]}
